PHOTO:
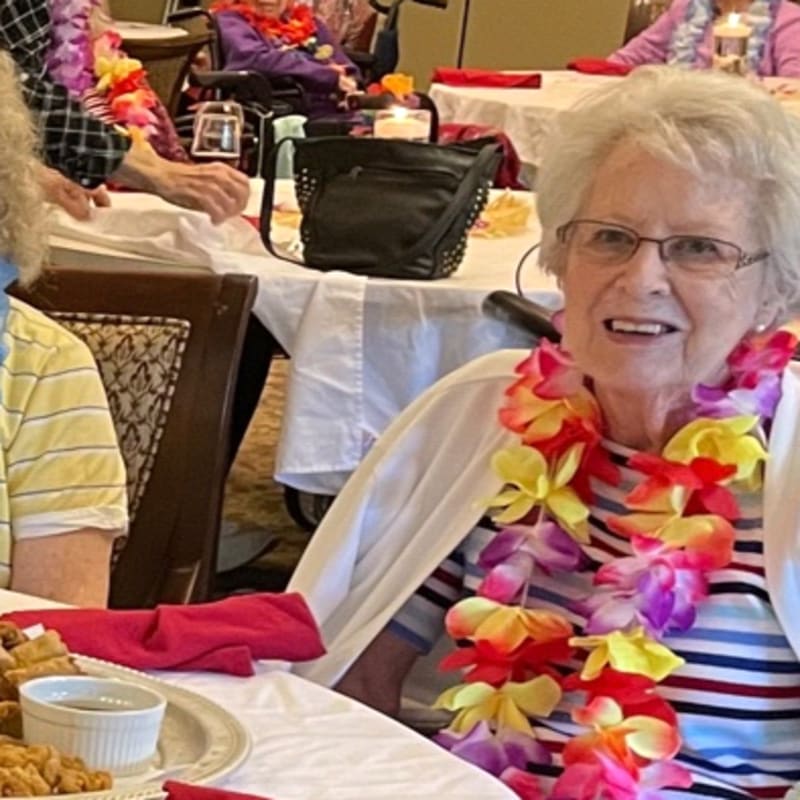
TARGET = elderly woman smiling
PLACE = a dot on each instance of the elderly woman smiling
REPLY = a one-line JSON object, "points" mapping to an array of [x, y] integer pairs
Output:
{"points": [[62, 481], [625, 618]]}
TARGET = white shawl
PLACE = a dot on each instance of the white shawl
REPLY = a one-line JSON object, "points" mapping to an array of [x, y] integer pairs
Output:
{"points": [[419, 492]]}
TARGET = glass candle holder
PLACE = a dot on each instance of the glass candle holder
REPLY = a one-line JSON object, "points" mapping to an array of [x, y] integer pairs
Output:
{"points": [[399, 122], [731, 38], [218, 131]]}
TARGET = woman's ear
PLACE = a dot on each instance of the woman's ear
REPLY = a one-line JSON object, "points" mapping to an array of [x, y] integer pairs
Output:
{"points": [[772, 311]]}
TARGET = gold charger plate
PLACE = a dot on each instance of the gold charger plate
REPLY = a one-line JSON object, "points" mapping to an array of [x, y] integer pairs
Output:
{"points": [[200, 741]]}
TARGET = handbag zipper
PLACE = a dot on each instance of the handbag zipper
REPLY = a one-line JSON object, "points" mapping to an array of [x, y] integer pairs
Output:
{"points": [[356, 171]]}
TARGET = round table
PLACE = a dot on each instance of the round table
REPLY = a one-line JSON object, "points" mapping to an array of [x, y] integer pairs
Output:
{"points": [[145, 32], [526, 115]]}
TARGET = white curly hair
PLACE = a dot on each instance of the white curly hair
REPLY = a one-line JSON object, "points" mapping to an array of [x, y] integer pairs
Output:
{"points": [[22, 214], [705, 122]]}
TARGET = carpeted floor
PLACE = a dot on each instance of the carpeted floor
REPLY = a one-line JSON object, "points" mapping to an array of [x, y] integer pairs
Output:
{"points": [[253, 501]]}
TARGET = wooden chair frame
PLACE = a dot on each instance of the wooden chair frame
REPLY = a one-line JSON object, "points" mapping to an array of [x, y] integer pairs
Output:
{"points": [[171, 552]]}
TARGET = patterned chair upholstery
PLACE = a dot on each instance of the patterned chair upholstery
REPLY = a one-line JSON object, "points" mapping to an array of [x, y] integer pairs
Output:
{"points": [[140, 360], [168, 344]]}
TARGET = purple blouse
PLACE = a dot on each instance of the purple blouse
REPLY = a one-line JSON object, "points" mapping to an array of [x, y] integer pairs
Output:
{"points": [[781, 55], [245, 48]]}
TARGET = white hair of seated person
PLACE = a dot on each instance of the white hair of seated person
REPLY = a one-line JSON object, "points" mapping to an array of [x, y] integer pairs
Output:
{"points": [[705, 122], [22, 215]]}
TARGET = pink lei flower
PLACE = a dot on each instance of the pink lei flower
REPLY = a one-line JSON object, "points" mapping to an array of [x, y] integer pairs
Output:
{"points": [[71, 61]]}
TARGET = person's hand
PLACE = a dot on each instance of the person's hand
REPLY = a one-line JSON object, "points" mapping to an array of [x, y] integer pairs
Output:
{"points": [[340, 68], [347, 85], [74, 199], [217, 189]]}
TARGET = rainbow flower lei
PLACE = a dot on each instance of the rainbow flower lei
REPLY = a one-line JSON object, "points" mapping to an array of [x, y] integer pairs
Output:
{"points": [[98, 66], [518, 662]]}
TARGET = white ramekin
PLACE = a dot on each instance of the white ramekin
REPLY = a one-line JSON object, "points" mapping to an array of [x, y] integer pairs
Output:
{"points": [[118, 731]]}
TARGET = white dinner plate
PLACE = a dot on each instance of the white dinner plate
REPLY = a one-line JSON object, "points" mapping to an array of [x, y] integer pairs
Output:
{"points": [[199, 742]]}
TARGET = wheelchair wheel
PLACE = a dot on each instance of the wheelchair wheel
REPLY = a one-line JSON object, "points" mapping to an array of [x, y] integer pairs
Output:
{"points": [[305, 508]]}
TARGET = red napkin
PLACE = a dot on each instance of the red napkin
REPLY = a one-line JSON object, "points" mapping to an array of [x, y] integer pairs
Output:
{"points": [[183, 791], [224, 636], [450, 76], [599, 66]]}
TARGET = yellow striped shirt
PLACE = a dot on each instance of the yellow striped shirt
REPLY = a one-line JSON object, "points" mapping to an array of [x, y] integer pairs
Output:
{"points": [[61, 468]]}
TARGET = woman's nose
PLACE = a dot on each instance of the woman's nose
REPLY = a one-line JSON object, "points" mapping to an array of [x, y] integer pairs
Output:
{"points": [[645, 272]]}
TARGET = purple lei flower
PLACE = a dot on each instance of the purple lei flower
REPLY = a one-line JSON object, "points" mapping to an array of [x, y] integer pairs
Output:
{"points": [[657, 588], [718, 403], [514, 554], [494, 752], [70, 60]]}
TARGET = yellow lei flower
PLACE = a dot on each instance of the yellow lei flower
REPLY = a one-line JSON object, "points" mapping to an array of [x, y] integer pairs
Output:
{"points": [[633, 652], [532, 483], [727, 441], [509, 706], [112, 69]]}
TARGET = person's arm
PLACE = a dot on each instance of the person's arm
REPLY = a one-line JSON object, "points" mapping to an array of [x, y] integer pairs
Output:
{"points": [[324, 36], [87, 150], [215, 188], [377, 676], [246, 49], [65, 476], [69, 567], [786, 43], [651, 46]]}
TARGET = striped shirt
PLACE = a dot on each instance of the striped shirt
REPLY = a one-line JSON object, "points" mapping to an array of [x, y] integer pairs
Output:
{"points": [[738, 695], [61, 469]]}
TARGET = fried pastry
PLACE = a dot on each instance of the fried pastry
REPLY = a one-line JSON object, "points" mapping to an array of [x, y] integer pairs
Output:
{"points": [[36, 770], [11, 718], [11, 635], [42, 648], [61, 665], [6, 659]]}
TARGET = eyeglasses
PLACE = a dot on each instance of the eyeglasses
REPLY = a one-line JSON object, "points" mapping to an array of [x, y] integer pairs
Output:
{"points": [[607, 244]]}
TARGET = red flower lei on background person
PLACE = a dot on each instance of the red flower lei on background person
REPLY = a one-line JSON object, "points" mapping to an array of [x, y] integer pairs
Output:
{"points": [[295, 29], [518, 662]]}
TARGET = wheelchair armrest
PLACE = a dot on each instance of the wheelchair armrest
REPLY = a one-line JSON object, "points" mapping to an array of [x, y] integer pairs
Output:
{"points": [[243, 85], [186, 13], [361, 59], [521, 313]]}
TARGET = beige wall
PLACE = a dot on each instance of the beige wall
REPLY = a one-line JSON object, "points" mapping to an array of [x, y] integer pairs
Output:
{"points": [[509, 34], [138, 10]]}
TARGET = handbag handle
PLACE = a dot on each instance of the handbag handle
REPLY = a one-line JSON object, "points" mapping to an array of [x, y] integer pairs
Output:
{"points": [[465, 189], [462, 195], [267, 200]]}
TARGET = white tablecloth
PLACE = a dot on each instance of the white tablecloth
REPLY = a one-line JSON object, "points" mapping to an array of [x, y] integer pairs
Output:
{"points": [[360, 349], [310, 743], [526, 115]]}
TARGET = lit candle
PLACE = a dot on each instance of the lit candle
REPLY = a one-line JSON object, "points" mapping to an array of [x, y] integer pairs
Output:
{"points": [[730, 44], [400, 122]]}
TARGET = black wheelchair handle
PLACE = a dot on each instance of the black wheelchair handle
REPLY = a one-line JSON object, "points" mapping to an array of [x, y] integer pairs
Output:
{"points": [[521, 313]]}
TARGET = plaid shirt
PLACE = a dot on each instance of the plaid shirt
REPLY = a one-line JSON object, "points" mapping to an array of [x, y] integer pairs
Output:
{"points": [[76, 143]]}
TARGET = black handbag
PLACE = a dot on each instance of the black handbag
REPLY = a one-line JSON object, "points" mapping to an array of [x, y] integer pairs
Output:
{"points": [[385, 208]]}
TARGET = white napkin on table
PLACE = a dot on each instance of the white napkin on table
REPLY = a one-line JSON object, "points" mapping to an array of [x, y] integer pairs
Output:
{"points": [[159, 230]]}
